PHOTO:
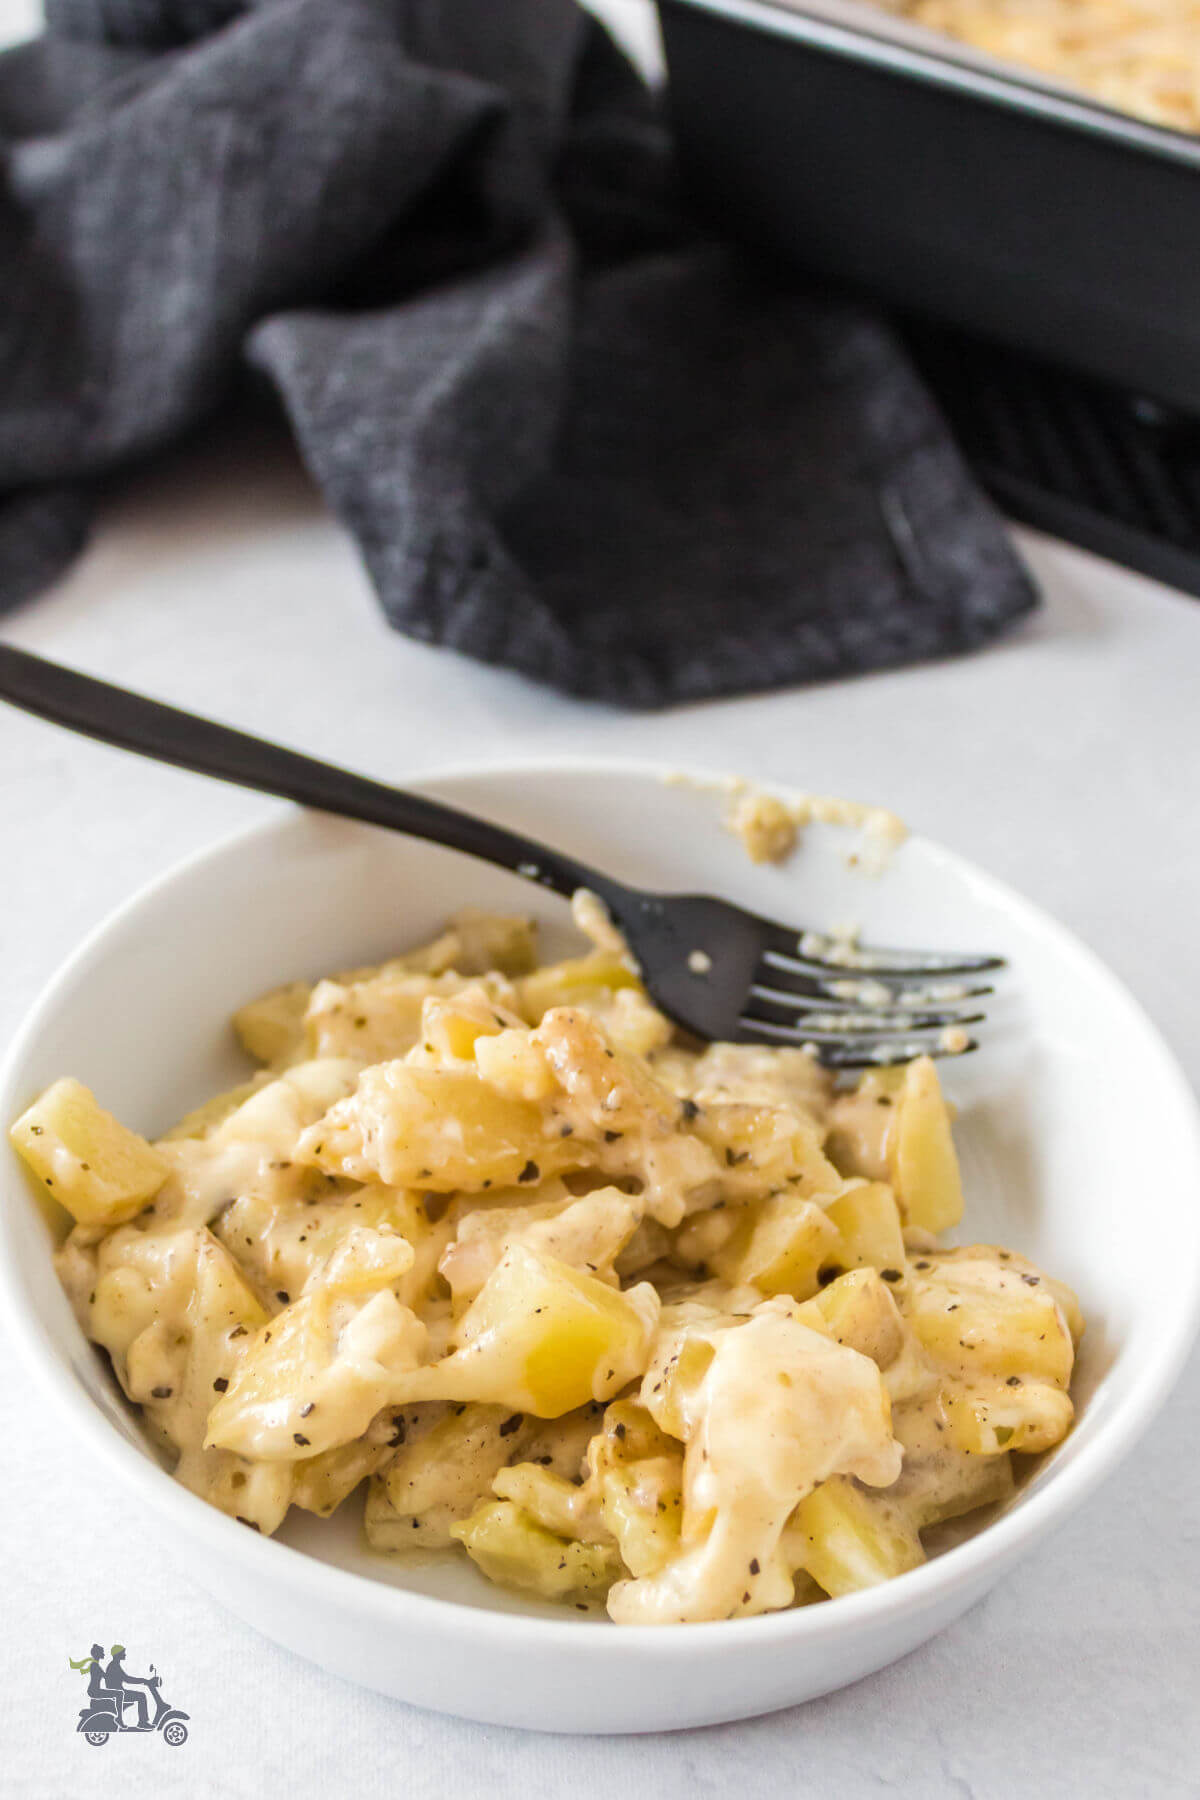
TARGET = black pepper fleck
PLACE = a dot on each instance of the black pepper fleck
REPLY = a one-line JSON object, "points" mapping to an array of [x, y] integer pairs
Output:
{"points": [[221, 1383], [511, 1425], [161, 1393], [530, 1172], [298, 1437]]}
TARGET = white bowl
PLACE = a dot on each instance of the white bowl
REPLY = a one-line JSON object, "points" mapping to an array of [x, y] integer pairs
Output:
{"points": [[1080, 1147]]}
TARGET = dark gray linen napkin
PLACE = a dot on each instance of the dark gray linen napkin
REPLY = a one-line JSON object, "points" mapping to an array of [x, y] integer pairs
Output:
{"points": [[570, 432]]}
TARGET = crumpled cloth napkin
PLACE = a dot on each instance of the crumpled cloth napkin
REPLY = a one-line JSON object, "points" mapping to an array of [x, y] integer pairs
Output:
{"points": [[571, 432]]}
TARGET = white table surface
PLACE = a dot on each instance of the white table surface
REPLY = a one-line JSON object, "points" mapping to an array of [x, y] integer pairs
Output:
{"points": [[1066, 759]]}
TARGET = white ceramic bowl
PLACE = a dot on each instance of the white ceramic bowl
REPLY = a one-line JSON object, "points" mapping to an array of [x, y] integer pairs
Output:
{"points": [[1057, 1117]]}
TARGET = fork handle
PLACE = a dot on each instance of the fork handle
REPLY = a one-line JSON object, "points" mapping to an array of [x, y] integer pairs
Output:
{"points": [[130, 721]]}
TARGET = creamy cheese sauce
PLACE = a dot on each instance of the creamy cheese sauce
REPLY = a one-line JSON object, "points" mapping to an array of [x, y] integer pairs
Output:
{"points": [[614, 1314], [779, 1409]]}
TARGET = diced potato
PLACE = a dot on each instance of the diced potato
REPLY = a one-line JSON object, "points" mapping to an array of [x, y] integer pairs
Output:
{"points": [[246, 1157], [632, 1126], [975, 1336], [585, 1233], [141, 1278], [552, 1501], [363, 1261], [779, 1246], [514, 1065], [868, 1220], [702, 1237], [860, 1124], [388, 1015], [257, 1494], [271, 1028], [988, 1421], [176, 1315], [922, 1160], [981, 1319], [453, 1026], [321, 1483], [641, 1505], [562, 1444], [316, 1375], [97, 1168], [680, 1364], [514, 1551], [604, 987], [543, 1338], [858, 1310], [982, 1258], [478, 942], [222, 1316], [474, 943], [848, 1539], [637, 1475], [939, 1479], [572, 983], [756, 1074], [760, 1149], [284, 1244], [434, 1128], [628, 1434], [443, 1469]]}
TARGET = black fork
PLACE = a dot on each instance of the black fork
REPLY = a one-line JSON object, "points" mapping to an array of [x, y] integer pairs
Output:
{"points": [[716, 969]]}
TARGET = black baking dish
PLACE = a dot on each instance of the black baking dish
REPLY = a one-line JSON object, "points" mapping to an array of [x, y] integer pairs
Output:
{"points": [[1015, 209]]}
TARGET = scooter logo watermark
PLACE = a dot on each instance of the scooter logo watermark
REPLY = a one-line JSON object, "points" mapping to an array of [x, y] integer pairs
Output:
{"points": [[119, 1701]]}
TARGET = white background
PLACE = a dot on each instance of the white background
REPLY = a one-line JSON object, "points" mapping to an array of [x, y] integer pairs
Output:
{"points": [[1066, 759]]}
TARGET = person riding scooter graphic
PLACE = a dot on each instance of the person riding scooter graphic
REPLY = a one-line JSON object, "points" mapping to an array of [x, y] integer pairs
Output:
{"points": [[118, 1681], [112, 1691]]}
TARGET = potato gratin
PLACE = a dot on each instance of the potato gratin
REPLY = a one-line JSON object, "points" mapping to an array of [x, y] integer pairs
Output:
{"points": [[623, 1318], [1139, 56]]}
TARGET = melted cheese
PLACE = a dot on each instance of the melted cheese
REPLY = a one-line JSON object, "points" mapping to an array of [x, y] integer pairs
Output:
{"points": [[779, 1409], [447, 1273]]}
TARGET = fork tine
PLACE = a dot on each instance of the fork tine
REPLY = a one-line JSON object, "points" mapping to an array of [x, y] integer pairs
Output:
{"points": [[839, 1052], [844, 1016], [791, 977], [887, 1056], [812, 951], [823, 1034]]}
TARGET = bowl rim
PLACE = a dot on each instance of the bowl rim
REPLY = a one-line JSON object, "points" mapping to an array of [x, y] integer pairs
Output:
{"points": [[963, 1565]]}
